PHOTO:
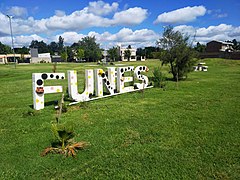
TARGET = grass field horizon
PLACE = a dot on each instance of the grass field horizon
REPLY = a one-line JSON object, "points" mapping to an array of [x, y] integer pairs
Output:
{"points": [[187, 131]]}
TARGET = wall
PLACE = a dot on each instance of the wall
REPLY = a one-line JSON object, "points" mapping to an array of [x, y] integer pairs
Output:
{"points": [[39, 60], [224, 55]]}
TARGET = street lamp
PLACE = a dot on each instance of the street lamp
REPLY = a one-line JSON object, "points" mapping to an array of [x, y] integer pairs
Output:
{"points": [[10, 22]]}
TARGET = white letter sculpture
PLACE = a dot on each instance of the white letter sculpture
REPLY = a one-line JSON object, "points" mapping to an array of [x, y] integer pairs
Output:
{"points": [[113, 80], [39, 90], [73, 88]]}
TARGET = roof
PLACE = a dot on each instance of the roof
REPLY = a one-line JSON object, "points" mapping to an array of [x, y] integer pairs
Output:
{"points": [[222, 42]]}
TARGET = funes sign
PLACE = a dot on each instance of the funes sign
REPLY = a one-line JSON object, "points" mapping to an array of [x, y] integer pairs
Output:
{"points": [[113, 79]]}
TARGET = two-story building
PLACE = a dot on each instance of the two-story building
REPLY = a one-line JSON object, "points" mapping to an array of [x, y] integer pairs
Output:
{"points": [[133, 56], [219, 46]]}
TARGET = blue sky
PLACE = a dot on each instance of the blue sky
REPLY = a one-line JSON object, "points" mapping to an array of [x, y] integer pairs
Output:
{"points": [[139, 23]]}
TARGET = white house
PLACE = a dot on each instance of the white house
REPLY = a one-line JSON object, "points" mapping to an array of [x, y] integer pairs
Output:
{"points": [[37, 58], [133, 56], [5, 58]]}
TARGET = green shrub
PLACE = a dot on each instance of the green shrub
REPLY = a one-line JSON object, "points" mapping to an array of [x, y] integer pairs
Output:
{"points": [[158, 78]]}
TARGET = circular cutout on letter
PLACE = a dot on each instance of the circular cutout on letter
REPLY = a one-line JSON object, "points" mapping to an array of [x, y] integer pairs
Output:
{"points": [[51, 75], [57, 76], [44, 76], [39, 82]]}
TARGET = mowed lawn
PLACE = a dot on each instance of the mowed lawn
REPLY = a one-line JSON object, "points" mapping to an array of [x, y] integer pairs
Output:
{"points": [[187, 131]]}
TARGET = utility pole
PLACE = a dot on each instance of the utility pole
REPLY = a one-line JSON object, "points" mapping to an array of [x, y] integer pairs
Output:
{"points": [[10, 22]]}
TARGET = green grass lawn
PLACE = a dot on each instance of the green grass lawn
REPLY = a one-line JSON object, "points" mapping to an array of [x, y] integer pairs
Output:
{"points": [[187, 132]]}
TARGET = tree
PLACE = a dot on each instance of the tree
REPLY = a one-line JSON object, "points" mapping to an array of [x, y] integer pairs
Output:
{"points": [[80, 53], [4, 49], [64, 56], [127, 54], [53, 47], [176, 52], [22, 50], [75, 45], [41, 46], [92, 51], [129, 47], [70, 54], [60, 44], [113, 53], [236, 45], [200, 47], [149, 51], [140, 52]]}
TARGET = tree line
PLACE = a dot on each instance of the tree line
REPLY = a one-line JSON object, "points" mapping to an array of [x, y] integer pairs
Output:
{"points": [[88, 49], [173, 49]]}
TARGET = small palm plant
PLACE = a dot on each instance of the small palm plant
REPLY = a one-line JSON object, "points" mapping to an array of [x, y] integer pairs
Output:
{"points": [[65, 144], [64, 134]]}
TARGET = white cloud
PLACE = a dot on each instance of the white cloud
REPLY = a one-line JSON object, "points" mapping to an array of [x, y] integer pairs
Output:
{"points": [[137, 38], [126, 36], [20, 41], [90, 16], [26, 40], [131, 16], [16, 11], [235, 32], [213, 30], [222, 15], [59, 13], [101, 8], [78, 20], [69, 37], [143, 35], [187, 30], [4, 23], [217, 13], [222, 32], [182, 15], [22, 26]]}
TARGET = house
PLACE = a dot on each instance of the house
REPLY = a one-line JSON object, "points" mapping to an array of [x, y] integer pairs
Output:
{"points": [[133, 56], [219, 46], [39, 58], [105, 56], [6, 58], [3, 59], [56, 58], [121, 53]]}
